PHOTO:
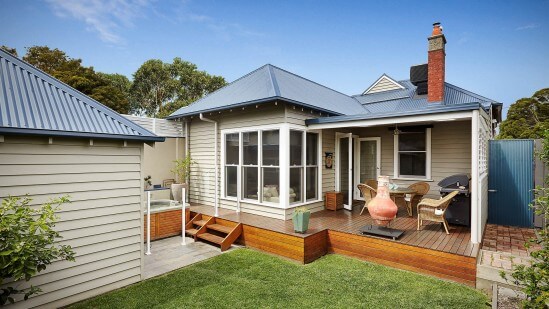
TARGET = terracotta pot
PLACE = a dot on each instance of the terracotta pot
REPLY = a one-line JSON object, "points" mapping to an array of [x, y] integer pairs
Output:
{"points": [[177, 191], [382, 208]]}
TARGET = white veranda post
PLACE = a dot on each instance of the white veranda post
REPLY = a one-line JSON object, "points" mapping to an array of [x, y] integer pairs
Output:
{"points": [[183, 217], [148, 223]]}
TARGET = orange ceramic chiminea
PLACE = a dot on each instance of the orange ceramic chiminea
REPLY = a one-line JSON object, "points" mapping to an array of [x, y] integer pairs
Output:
{"points": [[382, 208]]}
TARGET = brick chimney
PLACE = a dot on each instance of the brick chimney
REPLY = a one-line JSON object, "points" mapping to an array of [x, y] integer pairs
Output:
{"points": [[436, 65]]}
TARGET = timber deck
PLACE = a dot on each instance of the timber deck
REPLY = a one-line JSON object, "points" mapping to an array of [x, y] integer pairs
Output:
{"points": [[429, 251]]}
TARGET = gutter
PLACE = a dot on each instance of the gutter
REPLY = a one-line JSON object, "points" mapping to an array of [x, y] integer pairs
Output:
{"points": [[215, 163]]}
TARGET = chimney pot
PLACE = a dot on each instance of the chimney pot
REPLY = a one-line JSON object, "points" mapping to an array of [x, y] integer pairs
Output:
{"points": [[437, 29]]}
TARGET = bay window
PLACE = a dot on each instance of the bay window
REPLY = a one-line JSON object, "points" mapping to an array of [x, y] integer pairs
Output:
{"points": [[231, 163], [269, 166], [252, 165]]}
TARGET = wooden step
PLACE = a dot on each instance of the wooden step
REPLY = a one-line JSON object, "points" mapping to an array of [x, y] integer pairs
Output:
{"points": [[200, 222], [220, 228], [211, 238], [191, 232]]}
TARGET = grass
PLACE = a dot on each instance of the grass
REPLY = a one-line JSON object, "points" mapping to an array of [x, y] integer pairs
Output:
{"points": [[246, 278]]}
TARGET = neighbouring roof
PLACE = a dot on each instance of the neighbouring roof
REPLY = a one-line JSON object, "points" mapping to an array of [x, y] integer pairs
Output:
{"points": [[33, 102], [270, 83]]}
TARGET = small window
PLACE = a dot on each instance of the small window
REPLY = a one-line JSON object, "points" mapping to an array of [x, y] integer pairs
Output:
{"points": [[412, 153]]}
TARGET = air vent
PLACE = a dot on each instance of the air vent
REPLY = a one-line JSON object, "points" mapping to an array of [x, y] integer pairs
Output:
{"points": [[418, 74], [421, 88]]}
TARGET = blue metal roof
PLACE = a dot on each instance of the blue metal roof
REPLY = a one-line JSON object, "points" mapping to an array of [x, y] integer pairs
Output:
{"points": [[33, 102], [432, 108], [402, 99], [270, 83]]}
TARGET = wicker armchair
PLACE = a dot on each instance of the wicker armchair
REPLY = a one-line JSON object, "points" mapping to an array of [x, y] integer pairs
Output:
{"points": [[421, 188], [434, 210], [368, 192], [372, 183]]}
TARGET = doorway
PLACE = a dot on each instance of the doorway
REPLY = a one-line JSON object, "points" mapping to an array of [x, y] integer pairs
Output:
{"points": [[357, 159]]}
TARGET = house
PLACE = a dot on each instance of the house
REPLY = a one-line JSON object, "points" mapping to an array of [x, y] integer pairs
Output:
{"points": [[264, 144], [56, 141]]}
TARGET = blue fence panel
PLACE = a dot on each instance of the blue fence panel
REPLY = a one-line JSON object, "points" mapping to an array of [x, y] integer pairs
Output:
{"points": [[511, 182]]}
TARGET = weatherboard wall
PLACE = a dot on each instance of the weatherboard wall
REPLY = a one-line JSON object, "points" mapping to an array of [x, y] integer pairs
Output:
{"points": [[103, 222], [201, 147]]}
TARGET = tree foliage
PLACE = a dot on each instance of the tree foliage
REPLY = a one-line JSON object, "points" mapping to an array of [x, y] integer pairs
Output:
{"points": [[527, 117], [101, 87], [161, 88], [534, 278], [27, 243], [10, 50]]}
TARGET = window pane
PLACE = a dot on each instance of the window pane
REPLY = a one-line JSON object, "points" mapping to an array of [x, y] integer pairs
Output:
{"points": [[296, 147], [249, 143], [271, 188], [312, 149], [231, 148], [230, 180], [312, 183], [411, 142], [296, 184], [412, 163], [249, 186], [270, 147]]}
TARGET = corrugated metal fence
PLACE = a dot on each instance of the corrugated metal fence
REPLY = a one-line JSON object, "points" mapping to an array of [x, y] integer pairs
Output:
{"points": [[511, 182]]}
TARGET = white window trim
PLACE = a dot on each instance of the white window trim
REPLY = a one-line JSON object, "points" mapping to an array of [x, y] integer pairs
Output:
{"points": [[396, 161], [284, 166]]}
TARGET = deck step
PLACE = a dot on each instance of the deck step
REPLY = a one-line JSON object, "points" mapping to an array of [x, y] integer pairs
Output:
{"points": [[220, 228], [211, 238], [200, 222], [191, 232]]}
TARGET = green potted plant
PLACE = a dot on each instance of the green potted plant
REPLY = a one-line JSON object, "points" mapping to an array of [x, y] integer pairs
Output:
{"points": [[301, 218], [148, 182], [181, 169]]}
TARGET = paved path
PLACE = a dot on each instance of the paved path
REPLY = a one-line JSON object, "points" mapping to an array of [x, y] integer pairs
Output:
{"points": [[168, 254]]}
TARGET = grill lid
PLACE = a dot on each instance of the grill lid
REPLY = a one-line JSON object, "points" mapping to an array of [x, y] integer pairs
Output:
{"points": [[452, 181]]}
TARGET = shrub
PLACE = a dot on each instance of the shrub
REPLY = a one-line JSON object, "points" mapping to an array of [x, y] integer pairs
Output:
{"points": [[27, 243]]}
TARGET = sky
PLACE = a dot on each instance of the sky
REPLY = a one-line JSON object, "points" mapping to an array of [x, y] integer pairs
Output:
{"points": [[499, 49]]}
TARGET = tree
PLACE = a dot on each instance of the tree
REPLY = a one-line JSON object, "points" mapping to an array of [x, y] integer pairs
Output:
{"points": [[10, 50], [527, 117], [153, 87], [101, 87], [27, 243], [161, 88]]}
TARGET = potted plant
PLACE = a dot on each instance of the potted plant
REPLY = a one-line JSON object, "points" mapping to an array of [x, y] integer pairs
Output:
{"points": [[148, 182], [301, 219], [181, 169]]}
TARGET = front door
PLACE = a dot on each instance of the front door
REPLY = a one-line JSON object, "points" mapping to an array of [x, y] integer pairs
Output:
{"points": [[367, 161]]}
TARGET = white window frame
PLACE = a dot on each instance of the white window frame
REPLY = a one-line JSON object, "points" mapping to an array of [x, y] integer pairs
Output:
{"points": [[317, 165], [396, 162], [257, 166], [284, 166]]}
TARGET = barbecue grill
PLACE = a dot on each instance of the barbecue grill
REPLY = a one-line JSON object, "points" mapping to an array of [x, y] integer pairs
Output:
{"points": [[459, 210]]}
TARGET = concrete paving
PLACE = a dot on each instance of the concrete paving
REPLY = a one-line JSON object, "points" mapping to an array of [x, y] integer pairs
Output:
{"points": [[168, 255]]}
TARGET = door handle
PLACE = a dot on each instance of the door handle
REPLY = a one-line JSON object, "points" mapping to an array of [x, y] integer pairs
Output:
{"points": [[492, 190]]}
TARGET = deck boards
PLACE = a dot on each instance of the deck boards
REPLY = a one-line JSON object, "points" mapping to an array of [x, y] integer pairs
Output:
{"points": [[431, 235]]}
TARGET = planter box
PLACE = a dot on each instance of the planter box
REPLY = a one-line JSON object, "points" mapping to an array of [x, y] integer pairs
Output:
{"points": [[301, 222], [333, 200]]}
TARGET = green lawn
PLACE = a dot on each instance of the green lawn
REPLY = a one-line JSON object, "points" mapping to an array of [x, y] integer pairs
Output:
{"points": [[245, 278]]}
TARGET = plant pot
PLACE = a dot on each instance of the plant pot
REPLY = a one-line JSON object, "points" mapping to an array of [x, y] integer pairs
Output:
{"points": [[301, 221], [177, 191]]}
